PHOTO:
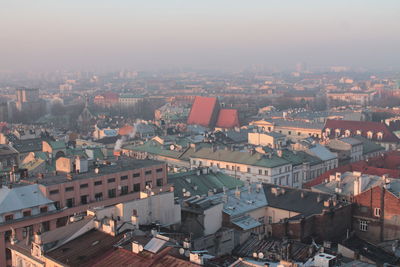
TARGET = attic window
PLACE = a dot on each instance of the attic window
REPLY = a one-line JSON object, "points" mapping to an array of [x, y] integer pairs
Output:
{"points": [[369, 134], [337, 132], [380, 136], [347, 133], [358, 132], [328, 131]]}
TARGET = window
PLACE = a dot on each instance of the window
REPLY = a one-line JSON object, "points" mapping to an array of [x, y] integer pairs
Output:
{"points": [[84, 186], [159, 182], [369, 134], [136, 188], [147, 172], [248, 170], [124, 177], [266, 172], [43, 209], [57, 204], [159, 170], [98, 196], [112, 193], [124, 190], [238, 169], [289, 132], [298, 133], [26, 213], [136, 175], [259, 171], [69, 189], [211, 164], [98, 183], [379, 136], [84, 199], [9, 217], [270, 219], [377, 212], [111, 180], [363, 225], [53, 192], [46, 226], [233, 168], [70, 202], [218, 165], [227, 167], [358, 132]]}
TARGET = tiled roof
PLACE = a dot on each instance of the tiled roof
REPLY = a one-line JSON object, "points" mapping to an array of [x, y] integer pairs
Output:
{"points": [[200, 184], [255, 159], [364, 127], [204, 111], [228, 118]]}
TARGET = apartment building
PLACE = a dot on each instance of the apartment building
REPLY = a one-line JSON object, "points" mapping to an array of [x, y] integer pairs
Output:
{"points": [[70, 191]]}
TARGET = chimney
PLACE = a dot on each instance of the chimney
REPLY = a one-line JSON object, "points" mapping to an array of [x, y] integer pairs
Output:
{"points": [[356, 187], [136, 247], [69, 176], [237, 192], [279, 152]]}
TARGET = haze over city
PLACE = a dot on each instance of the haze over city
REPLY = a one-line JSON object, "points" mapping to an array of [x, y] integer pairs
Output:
{"points": [[226, 34], [215, 133]]}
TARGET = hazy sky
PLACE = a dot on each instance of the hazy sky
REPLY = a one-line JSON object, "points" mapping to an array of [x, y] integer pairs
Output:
{"points": [[81, 34]]}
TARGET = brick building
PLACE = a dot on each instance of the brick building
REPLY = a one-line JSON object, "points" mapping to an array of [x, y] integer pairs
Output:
{"points": [[376, 213]]}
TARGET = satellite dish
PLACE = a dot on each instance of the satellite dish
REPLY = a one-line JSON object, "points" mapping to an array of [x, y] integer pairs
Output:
{"points": [[181, 251], [171, 147], [260, 255], [140, 248], [255, 255]]}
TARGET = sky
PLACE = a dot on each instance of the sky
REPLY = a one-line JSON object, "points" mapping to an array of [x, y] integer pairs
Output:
{"points": [[220, 34]]}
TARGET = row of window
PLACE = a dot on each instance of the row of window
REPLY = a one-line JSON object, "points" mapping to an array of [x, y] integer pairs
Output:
{"points": [[233, 168], [347, 133], [25, 213], [97, 183]]}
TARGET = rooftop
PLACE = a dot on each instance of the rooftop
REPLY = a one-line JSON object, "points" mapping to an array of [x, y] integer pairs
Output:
{"points": [[21, 197], [200, 182], [304, 202], [123, 164], [254, 159]]}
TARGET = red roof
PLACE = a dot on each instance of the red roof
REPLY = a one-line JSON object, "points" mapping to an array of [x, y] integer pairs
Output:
{"points": [[388, 163], [204, 111], [123, 257], [364, 127], [125, 130], [228, 118]]}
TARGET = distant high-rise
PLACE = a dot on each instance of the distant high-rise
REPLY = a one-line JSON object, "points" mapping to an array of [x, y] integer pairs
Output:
{"points": [[27, 95], [29, 106]]}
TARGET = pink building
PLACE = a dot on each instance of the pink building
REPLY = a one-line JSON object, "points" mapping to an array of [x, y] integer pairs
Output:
{"points": [[48, 201]]}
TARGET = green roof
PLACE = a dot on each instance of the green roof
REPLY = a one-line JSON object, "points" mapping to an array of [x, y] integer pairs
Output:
{"points": [[255, 159], [57, 144], [201, 184]]}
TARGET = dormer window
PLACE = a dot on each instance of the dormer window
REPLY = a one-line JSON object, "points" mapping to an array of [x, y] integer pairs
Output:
{"points": [[347, 133], [379, 136], [358, 132], [369, 134], [337, 132], [328, 131]]}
